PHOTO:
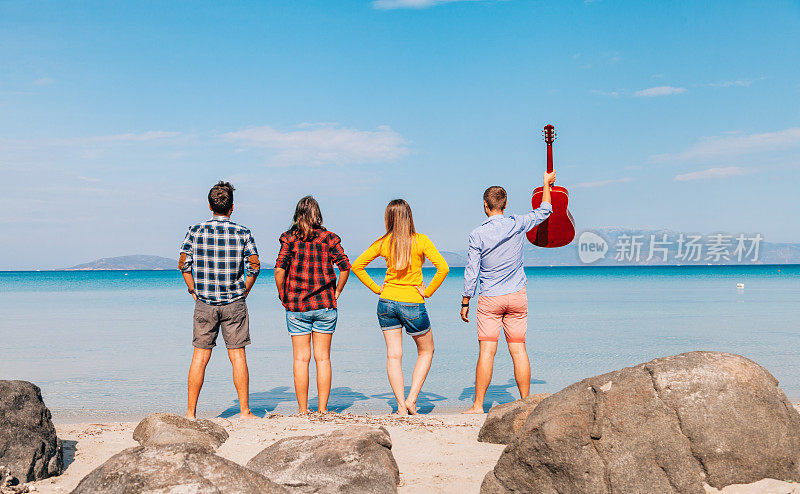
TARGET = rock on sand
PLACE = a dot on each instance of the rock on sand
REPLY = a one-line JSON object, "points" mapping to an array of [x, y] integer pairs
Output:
{"points": [[355, 459], [29, 447], [673, 424]]}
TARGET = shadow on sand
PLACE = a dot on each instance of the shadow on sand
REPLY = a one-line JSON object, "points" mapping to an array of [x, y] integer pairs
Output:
{"points": [[425, 401], [340, 400], [496, 394], [68, 448], [264, 402]]}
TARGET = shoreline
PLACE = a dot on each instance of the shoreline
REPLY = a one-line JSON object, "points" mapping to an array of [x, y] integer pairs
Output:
{"points": [[74, 418]]}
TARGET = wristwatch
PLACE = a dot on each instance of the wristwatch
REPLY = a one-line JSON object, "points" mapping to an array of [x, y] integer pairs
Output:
{"points": [[191, 291], [464, 305]]}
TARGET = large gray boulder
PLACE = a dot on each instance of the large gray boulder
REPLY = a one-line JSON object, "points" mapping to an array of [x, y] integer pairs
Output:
{"points": [[161, 429], [176, 468], [356, 459], [504, 421], [669, 425], [29, 447]]}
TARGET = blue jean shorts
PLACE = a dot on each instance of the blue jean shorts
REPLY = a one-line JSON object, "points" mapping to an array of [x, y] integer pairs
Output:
{"points": [[317, 321], [413, 317]]}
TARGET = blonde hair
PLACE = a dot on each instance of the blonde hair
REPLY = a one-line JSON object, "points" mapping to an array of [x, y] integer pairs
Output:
{"points": [[400, 225]]}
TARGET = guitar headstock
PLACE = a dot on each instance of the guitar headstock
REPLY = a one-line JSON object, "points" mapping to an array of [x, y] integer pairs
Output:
{"points": [[549, 134]]}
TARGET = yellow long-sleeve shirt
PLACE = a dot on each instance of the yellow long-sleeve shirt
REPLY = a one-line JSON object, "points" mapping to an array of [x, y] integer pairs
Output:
{"points": [[401, 285]]}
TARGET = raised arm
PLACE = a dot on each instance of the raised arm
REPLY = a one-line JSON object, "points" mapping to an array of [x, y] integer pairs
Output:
{"points": [[439, 263], [526, 222], [548, 179], [360, 265]]}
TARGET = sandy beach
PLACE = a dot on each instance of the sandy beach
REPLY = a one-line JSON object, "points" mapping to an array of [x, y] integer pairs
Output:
{"points": [[435, 453]]}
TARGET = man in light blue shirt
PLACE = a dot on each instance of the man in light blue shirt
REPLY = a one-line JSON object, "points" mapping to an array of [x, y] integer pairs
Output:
{"points": [[495, 260]]}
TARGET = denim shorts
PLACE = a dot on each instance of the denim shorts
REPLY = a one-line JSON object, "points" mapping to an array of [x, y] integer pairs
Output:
{"points": [[413, 317], [317, 321]]}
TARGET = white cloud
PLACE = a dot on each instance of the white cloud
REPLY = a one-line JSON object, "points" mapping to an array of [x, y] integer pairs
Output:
{"points": [[23, 153], [152, 135], [740, 83], [613, 94], [712, 173], [660, 91], [321, 144], [43, 81], [411, 4], [602, 183], [728, 146]]}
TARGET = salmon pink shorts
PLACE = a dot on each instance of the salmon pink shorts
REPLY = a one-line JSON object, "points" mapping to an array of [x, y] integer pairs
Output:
{"points": [[509, 312]]}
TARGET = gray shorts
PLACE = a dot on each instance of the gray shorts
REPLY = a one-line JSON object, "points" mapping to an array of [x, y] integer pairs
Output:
{"points": [[231, 318]]}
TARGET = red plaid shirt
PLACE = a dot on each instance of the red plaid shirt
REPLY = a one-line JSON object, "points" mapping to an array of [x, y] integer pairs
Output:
{"points": [[310, 277]]}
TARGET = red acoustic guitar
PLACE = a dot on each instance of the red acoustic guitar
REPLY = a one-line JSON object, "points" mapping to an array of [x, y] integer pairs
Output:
{"points": [[559, 229]]}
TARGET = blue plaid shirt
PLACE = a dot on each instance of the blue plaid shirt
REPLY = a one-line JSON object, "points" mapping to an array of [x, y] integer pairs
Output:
{"points": [[217, 253]]}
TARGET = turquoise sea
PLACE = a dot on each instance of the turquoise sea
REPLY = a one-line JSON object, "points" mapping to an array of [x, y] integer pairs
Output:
{"points": [[116, 345]]}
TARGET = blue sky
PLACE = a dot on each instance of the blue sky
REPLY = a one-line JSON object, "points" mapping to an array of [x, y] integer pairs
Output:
{"points": [[116, 117]]}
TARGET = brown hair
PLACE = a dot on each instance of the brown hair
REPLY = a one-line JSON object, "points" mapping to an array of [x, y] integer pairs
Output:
{"points": [[400, 225], [307, 218], [220, 197], [495, 197]]}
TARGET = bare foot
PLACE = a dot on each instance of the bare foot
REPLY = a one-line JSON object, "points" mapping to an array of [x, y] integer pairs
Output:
{"points": [[191, 417], [474, 410], [248, 416], [402, 412], [322, 411], [302, 412], [411, 406]]}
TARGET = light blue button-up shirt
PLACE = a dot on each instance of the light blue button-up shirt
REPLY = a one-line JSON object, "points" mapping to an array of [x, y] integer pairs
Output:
{"points": [[495, 253]]}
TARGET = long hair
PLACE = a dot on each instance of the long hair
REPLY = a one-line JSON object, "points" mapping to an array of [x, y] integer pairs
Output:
{"points": [[307, 218], [400, 225]]}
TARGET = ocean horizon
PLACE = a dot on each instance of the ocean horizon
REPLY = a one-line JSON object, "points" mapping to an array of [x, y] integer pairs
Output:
{"points": [[115, 345]]}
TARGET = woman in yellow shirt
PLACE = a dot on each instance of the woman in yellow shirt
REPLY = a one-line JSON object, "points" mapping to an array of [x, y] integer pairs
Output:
{"points": [[402, 297]]}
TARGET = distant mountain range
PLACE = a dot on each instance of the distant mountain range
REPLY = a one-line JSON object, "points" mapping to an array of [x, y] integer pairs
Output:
{"points": [[131, 263], [608, 246]]}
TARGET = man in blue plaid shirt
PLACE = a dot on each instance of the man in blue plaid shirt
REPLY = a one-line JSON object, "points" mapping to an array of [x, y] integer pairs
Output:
{"points": [[219, 262]]}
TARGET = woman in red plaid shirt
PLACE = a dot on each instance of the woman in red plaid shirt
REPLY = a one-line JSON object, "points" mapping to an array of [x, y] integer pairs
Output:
{"points": [[308, 288]]}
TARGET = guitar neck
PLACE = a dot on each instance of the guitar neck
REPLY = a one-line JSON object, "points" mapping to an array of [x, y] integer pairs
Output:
{"points": [[549, 158]]}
